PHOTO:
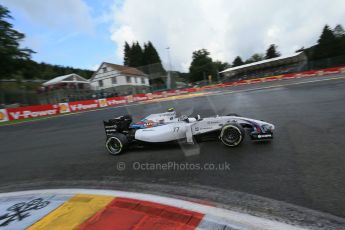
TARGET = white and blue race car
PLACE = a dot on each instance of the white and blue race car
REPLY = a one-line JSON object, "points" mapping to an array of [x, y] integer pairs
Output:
{"points": [[166, 127]]}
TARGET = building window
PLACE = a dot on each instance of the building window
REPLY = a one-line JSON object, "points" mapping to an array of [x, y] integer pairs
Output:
{"points": [[113, 80], [128, 79], [100, 83], [142, 80], [136, 80], [104, 69]]}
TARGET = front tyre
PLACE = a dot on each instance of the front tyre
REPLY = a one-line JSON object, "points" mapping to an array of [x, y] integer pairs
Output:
{"points": [[232, 135], [116, 143]]}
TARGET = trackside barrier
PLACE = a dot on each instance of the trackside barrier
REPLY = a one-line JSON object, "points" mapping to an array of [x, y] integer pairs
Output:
{"points": [[20, 113], [171, 93], [102, 102], [129, 99], [32, 112], [3, 115], [116, 101], [312, 73], [140, 97], [157, 95], [77, 106]]}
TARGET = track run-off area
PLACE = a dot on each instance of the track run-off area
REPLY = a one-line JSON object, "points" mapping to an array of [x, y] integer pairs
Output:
{"points": [[303, 165]]}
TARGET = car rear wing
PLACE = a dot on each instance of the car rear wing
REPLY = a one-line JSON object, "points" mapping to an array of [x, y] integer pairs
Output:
{"points": [[110, 127], [117, 125]]}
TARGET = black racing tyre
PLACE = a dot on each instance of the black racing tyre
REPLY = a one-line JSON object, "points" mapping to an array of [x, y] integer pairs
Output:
{"points": [[116, 143], [233, 114], [232, 135]]}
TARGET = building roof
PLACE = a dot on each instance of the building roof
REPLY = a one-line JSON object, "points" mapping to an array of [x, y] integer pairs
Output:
{"points": [[125, 70], [267, 62], [66, 79]]}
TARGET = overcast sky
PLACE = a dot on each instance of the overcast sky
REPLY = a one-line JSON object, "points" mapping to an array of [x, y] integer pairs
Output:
{"points": [[83, 33]]}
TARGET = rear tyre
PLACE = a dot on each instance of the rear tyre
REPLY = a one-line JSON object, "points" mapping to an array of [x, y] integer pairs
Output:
{"points": [[232, 135], [116, 143]]}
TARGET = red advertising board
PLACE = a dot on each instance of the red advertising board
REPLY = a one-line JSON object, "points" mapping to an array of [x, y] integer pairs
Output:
{"points": [[3, 115], [116, 101], [32, 111], [140, 97], [83, 105], [149, 96], [182, 91], [157, 95], [171, 92]]}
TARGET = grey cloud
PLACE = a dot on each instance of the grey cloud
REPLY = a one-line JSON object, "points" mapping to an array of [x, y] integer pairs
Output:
{"points": [[225, 28]]}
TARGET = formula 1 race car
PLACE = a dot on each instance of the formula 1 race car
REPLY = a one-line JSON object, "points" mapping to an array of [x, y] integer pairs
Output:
{"points": [[165, 127]]}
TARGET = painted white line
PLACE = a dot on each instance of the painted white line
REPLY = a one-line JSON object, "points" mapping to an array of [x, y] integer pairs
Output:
{"points": [[213, 214]]}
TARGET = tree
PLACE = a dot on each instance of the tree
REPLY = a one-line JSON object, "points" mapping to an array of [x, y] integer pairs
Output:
{"points": [[327, 45], [272, 52], [201, 66], [237, 61], [327, 36], [11, 54], [146, 58], [151, 60], [126, 54], [339, 32], [330, 44], [150, 54], [220, 66], [255, 58], [136, 55]]}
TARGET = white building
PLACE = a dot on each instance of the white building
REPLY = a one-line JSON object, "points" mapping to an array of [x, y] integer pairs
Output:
{"points": [[120, 80]]}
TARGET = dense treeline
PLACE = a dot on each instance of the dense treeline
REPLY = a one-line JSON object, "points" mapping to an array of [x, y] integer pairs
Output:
{"points": [[33, 70]]}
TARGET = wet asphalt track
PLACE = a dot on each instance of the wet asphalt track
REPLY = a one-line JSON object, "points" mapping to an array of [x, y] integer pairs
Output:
{"points": [[304, 165]]}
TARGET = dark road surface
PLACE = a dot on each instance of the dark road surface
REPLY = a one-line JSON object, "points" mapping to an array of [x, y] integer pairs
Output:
{"points": [[303, 165]]}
